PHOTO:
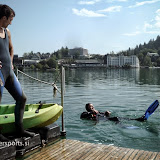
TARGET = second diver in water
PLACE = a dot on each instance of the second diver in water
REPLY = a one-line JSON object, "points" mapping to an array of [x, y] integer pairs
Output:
{"points": [[94, 114]]}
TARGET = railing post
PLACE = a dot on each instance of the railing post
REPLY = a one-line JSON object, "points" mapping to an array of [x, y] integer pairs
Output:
{"points": [[63, 132]]}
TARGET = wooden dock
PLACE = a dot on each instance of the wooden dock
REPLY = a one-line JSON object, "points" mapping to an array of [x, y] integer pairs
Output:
{"points": [[66, 149]]}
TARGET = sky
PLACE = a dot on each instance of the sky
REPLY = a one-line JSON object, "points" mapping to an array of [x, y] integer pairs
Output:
{"points": [[101, 26]]}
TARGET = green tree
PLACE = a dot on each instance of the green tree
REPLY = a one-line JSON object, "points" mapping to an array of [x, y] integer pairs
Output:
{"points": [[158, 62], [147, 61], [159, 52], [52, 63], [45, 67], [25, 55], [32, 66], [141, 57], [39, 66], [76, 55]]}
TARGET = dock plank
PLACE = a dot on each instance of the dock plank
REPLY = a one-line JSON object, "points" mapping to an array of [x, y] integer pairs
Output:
{"points": [[84, 153], [139, 153], [102, 153], [158, 156], [74, 152], [149, 154], [95, 153], [144, 155], [120, 153], [52, 149], [108, 153], [62, 150], [67, 149], [131, 154], [41, 153]]}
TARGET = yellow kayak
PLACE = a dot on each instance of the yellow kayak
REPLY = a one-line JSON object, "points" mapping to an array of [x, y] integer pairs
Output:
{"points": [[34, 116]]}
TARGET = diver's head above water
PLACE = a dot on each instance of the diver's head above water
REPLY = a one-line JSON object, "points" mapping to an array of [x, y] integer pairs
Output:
{"points": [[90, 108]]}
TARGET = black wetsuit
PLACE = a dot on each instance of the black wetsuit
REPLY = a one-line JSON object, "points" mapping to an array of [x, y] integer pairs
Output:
{"points": [[102, 116], [10, 81]]}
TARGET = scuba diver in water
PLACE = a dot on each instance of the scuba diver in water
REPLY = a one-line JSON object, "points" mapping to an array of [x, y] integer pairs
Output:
{"points": [[92, 113], [95, 115]]}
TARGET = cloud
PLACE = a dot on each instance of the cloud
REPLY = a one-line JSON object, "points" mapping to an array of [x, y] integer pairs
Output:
{"points": [[152, 27], [117, 0], [147, 25], [86, 13], [132, 34], [138, 4], [88, 2], [157, 19], [112, 9]]}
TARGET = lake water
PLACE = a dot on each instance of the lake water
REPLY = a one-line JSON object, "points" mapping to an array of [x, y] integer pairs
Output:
{"points": [[126, 93]]}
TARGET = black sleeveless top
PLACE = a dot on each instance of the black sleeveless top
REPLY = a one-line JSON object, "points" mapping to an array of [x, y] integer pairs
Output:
{"points": [[5, 54]]}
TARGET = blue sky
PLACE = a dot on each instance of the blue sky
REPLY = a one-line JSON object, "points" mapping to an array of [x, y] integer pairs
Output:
{"points": [[101, 26]]}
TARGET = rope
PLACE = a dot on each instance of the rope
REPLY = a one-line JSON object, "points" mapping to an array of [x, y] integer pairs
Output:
{"points": [[52, 84]]}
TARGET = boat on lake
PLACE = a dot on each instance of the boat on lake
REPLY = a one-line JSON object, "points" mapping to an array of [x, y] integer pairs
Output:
{"points": [[35, 115]]}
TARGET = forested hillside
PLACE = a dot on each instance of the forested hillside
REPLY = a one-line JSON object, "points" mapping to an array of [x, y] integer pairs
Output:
{"points": [[142, 50]]}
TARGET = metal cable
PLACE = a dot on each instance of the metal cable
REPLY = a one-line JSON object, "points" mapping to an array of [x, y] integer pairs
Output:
{"points": [[52, 84]]}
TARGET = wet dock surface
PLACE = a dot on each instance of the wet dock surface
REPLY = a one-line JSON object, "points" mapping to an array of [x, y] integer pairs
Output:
{"points": [[66, 149]]}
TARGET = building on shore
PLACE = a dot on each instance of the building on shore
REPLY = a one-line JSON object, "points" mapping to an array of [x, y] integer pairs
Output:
{"points": [[122, 61], [152, 54], [90, 63], [18, 61], [81, 52], [22, 62]]}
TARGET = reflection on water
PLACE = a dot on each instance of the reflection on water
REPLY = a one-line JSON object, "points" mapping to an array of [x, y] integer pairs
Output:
{"points": [[126, 93], [149, 76]]}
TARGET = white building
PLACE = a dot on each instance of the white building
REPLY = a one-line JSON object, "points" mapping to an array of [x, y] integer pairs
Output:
{"points": [[120, 61], [152, 54]]}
